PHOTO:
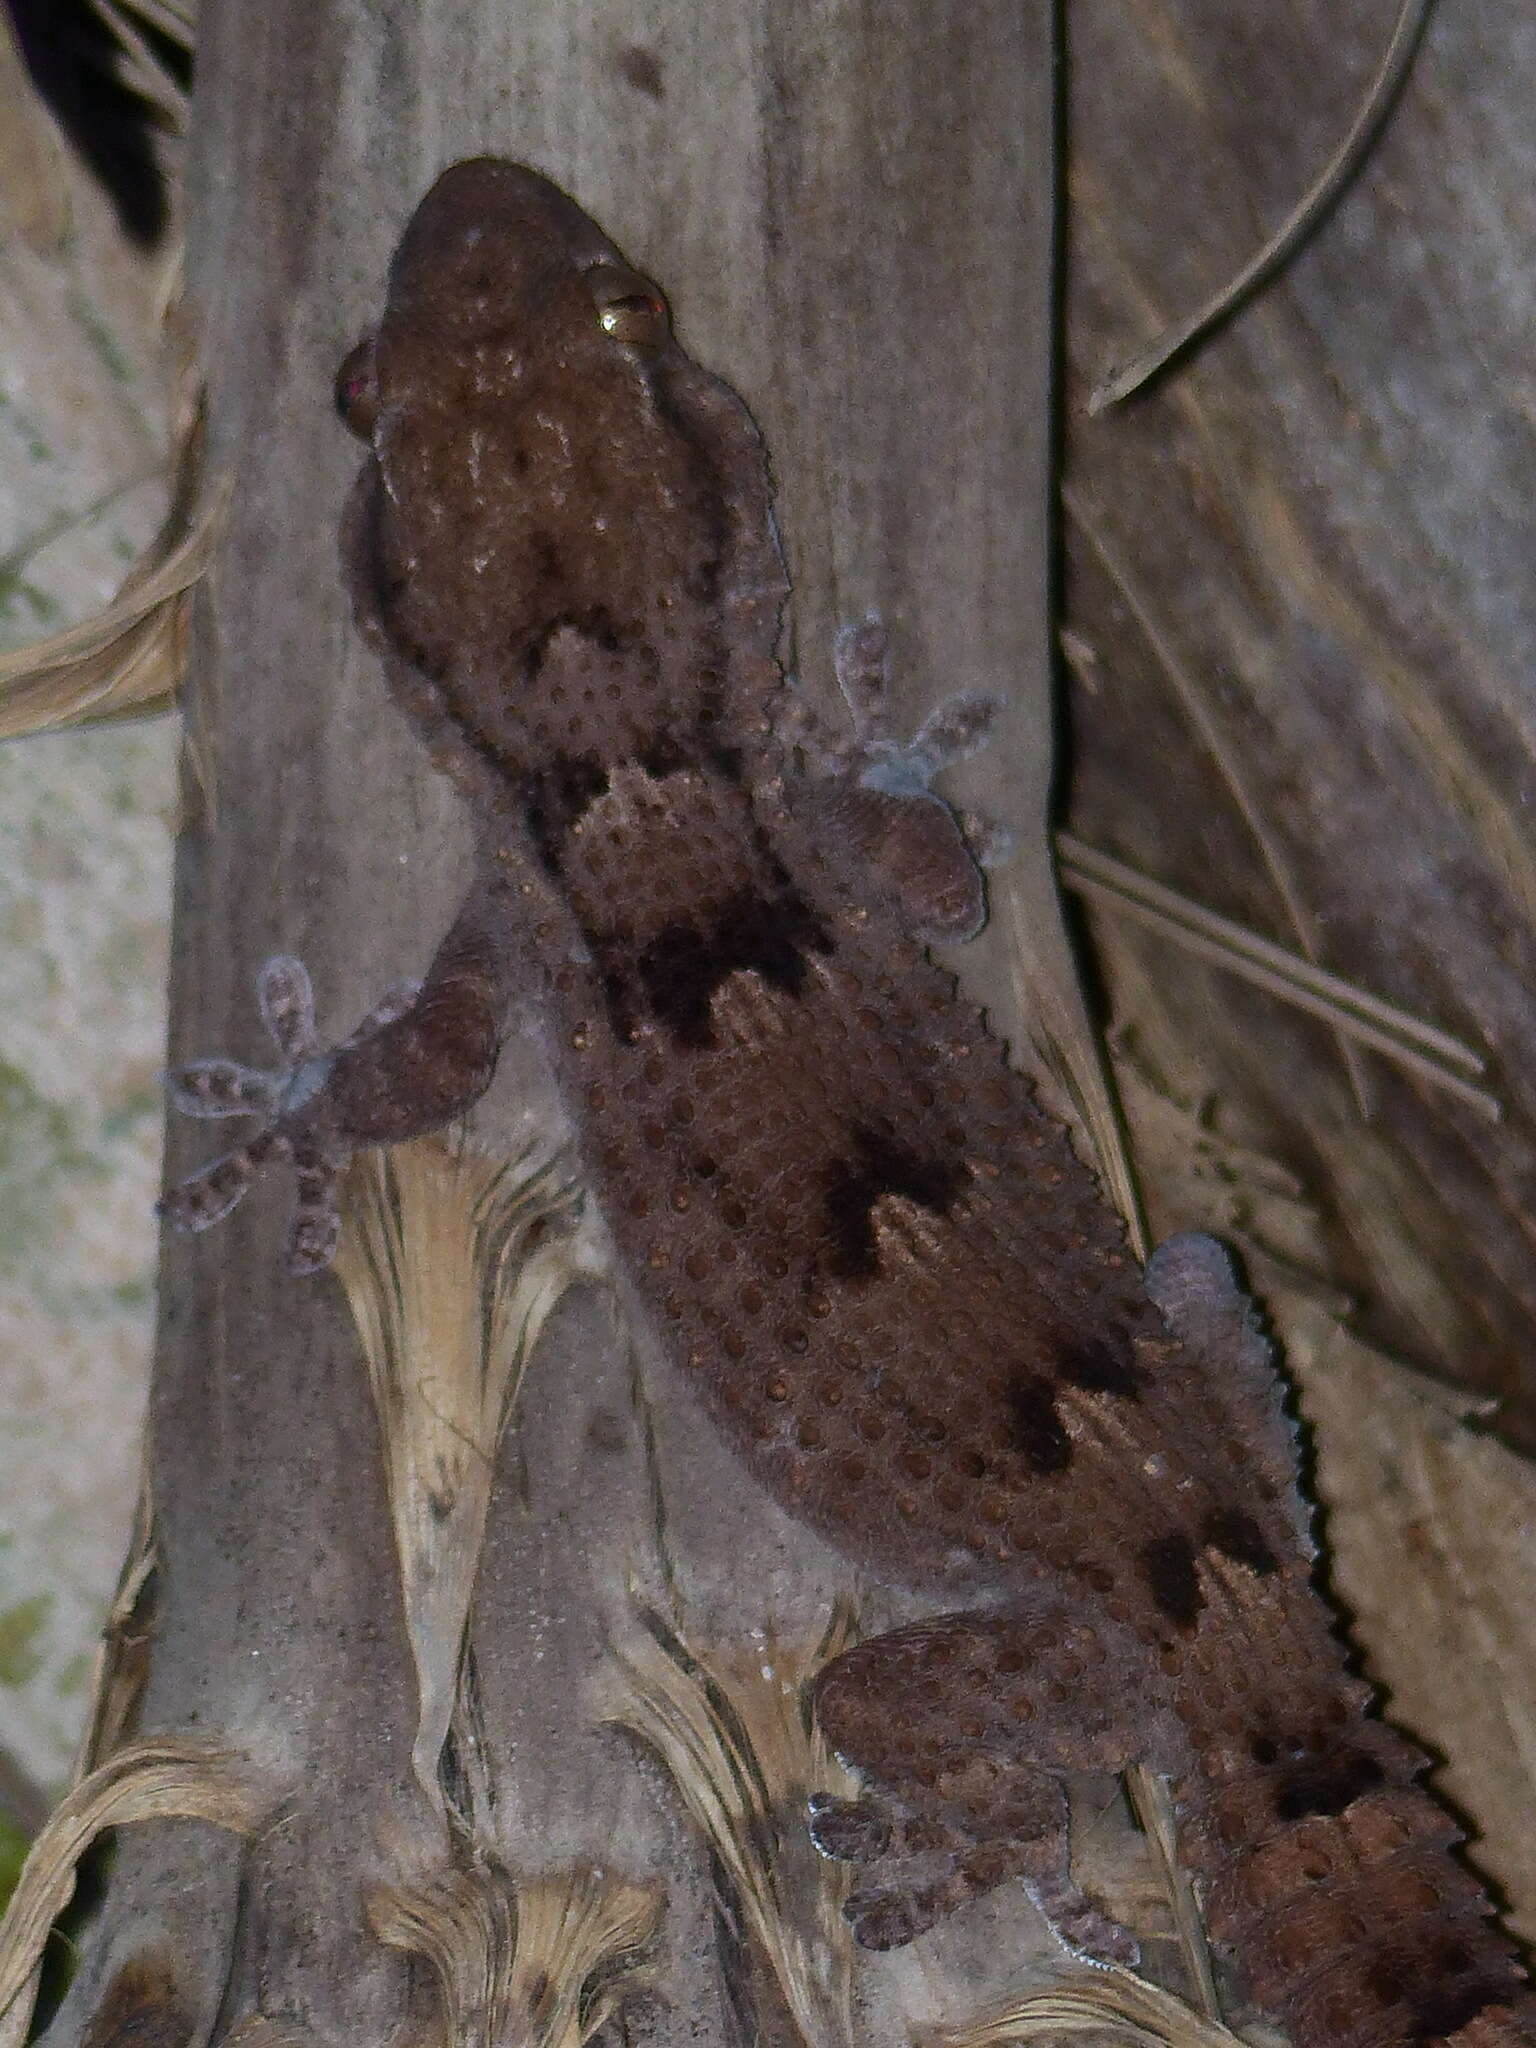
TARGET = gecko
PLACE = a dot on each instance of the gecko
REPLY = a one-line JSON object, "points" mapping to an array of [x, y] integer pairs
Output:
{"points": [[872, 1252]]}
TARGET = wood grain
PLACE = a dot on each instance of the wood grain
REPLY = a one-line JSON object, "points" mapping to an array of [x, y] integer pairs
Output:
{"points": [[1298, 579]]}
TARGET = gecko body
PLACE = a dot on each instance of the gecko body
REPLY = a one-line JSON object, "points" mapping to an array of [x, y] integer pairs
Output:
{"points": [[875, 1258]]}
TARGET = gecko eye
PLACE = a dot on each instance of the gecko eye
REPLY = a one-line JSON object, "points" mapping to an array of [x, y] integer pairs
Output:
{"points": [[357, 391], [627, 307]]}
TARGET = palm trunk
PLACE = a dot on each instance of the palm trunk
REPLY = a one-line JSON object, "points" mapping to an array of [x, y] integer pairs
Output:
{"points": [[399, 1589]]}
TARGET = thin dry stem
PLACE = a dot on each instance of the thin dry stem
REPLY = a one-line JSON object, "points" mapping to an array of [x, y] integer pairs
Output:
{"points": [[139, 64], [126, 661], [117, 1678], [1299, 224], [257, 2031], [1192, 698], [1423, 1050], [1153, 1806], [1113, 2001]]}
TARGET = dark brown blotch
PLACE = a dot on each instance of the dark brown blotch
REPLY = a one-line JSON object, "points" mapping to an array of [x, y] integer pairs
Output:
{"points": [[641, 68], [141, 2008], [1442, 1983], [684, 964], [662, 756], [556, 796], [1235, 1533], [1326, 1784], [876, 1165], [1035, 1428], [1099, 1365], [1168, 1563], [547, 567]]}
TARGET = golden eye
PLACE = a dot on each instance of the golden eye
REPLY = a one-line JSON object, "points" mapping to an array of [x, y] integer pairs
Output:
{"points": [[628, 308], [357, 391]]}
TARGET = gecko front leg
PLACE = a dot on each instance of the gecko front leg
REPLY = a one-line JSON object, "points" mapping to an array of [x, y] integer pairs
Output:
{"points": [[423, 1055]]}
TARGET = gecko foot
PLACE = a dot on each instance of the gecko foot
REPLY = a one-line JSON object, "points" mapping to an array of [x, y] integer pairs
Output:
{"points": [[956, 728], [877, 796], [922, 1866], [1080, 1926], [224, 1088], [958, 1729]]}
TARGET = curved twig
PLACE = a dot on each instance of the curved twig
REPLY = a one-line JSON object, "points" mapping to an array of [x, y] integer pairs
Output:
{"points": [[1128, 376]]}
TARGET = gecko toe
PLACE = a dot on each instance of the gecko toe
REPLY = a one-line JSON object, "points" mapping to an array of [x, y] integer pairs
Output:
{"points": [[207, 1197], [991, 843], [957, 728], [214, 1088], [312, 1241], [314, 1229], [287, 1002], [848, 1830], [861, 662], [1080, 1925]]}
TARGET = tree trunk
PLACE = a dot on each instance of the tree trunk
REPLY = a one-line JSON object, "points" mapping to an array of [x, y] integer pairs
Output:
{"points": [[382, 1644]]}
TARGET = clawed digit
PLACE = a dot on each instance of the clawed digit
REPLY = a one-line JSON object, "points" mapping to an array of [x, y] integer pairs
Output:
{"points": [[206, 1197], [213, 1088], [861, 662], [315, 1225], [956, 728], [287, 1002], [849, 1830]]}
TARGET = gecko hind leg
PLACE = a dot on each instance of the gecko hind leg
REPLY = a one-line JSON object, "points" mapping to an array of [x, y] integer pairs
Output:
{"points": [[1013, 1824], [961, 1727]]}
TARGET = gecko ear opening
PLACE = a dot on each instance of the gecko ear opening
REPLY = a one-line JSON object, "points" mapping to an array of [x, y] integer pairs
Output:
{"points": [[357, 390]]}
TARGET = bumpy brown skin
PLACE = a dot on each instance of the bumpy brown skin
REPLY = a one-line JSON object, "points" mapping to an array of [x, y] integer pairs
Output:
{"points": [[880, 1264]]}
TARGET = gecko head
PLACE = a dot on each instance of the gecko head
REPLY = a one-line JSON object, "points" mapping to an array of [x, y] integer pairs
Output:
{"points": [[503, 276], [560, 497], [501, 281]]}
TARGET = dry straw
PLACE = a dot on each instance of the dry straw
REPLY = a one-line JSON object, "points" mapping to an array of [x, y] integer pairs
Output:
{"points": [[157, 1780], [1112, 2002], [736, 1736], [1277, 249], [452, 1264], [127, 660], [538, 1963]]}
